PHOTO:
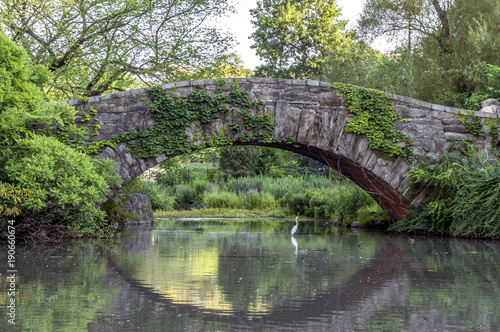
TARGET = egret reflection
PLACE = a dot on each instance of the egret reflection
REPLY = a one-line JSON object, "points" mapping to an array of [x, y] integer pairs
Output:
{"points": [[294, 241]]}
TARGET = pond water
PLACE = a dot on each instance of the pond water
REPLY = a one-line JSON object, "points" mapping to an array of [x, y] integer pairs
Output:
{"points": [[224, 275]]}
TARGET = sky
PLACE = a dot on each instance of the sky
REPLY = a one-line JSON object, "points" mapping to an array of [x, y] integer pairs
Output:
{"points": [[240, 25]]}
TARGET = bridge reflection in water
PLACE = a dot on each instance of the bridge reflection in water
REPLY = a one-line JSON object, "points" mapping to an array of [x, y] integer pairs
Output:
{"points": [[254, 280]]}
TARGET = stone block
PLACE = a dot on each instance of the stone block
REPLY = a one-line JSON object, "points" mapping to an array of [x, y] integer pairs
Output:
{"points": [[265, 93], [312, 83], [490, 109], [460, 128], [299, 82], [295, 94], [490, 102], [453, 120], [109, 130], [451, 136], [439, 108], [309, 127], [255, 79], [113, 118]]}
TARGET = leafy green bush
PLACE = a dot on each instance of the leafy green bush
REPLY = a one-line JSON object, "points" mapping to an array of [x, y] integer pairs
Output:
{"points": [[463, 195], [340, 204], [65, 186], [185, 195]]}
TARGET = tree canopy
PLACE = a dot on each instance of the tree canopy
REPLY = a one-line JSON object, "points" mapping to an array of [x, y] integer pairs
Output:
{"points": [[93, 46], [293, 37], [447, 41]]}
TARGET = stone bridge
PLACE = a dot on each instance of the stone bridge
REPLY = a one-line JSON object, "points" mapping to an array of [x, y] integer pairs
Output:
{"points": [[309, 117]]}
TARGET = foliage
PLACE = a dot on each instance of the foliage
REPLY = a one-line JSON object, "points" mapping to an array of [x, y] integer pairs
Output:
{"points": [[21, 100], [447, 42], [293, 37], [11, 199], [95, 46], [49, 188], [160, 196], [476, 207], [174, 116], [253, 199], [471, 122], [221, 213], [340, 204], [237, 161], [487, 86], [394, 19], [375, 117], [462, 198], [65, 186]]}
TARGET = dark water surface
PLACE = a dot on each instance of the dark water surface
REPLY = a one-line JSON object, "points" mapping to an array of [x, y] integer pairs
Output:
{"points": [[224, 275]]}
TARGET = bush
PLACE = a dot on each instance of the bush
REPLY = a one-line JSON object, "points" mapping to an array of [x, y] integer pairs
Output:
{"points": [[65, 186], [162, 198], [341, 204], [185, 195], [464, 195]]}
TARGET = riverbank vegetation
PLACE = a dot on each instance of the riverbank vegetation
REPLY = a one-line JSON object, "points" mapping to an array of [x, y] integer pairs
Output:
{"points": [[272, 183], [463, 189]]}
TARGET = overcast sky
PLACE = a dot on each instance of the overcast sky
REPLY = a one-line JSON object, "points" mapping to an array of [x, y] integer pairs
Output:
{"points": [[239, 24]]}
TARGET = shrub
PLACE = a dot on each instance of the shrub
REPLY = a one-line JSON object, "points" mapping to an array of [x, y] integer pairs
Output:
{"points": [[65, 186], [162, 198], [185, 195]]}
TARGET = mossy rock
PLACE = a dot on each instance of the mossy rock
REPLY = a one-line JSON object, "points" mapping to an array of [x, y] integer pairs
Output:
{"points": [[129, 209]]}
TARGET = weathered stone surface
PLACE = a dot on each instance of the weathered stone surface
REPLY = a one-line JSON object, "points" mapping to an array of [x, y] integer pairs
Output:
{"points": [[310, 112], [137, 208], [491, 109], [490, 102]]}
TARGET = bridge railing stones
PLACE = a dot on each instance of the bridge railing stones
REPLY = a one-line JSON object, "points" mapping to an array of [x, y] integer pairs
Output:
{"points": [[314, 114]]}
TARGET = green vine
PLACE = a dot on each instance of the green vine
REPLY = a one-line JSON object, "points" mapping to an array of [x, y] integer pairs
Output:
{"points": [[472, 123], [375, 120], [95, 129], [174, 116], [492, 126]]}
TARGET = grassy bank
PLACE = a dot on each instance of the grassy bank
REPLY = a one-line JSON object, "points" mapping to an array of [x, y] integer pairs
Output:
{"points": [[222, 213], [259, 196]]}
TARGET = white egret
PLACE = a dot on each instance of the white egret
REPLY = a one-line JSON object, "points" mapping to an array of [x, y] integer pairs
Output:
{"points": [[294, 228]]}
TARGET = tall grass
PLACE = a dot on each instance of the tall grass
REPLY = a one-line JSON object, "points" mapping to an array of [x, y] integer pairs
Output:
{"points": [[253, 199], [313, 196], [161, 198], [278, 187]]}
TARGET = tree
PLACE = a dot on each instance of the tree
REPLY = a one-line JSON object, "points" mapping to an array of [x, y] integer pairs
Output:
{"points": [[237, 161], [450, 38], [46, 186], [95, 46], [293, 37], [394, 19]]}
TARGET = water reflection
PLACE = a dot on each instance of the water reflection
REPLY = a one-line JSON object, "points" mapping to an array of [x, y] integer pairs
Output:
{"points": [[295, 244], [246, 276]]}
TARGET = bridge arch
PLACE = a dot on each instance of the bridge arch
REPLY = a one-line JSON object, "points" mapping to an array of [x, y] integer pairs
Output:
{"points": [[303, 116]]}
